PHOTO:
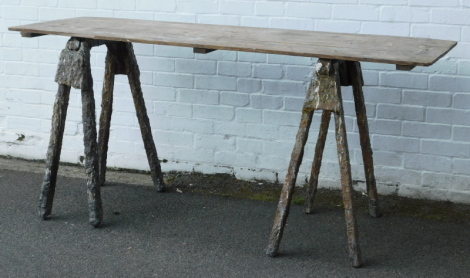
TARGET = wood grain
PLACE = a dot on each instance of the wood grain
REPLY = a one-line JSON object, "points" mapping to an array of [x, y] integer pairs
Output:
{"points": [[350, 47]]}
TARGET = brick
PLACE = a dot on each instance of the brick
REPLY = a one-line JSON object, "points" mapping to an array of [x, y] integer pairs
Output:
{"points": [[84, 4], [229, 128], [235, 99], [159, 93], [237, 7], [17, 13], [23, 123], [445, 148], [40, 3], [293, 103], [174, 51], [219, 19], [219, 55], [382, 95], [281, 117], [309, 10], [356, 12], [215, 141], [449, 83], [384, 158], [23, 96], [266, 102], [394, 143], [119, 146], [181, 124], [94, 13], [428, 163], [195, 66], [273, 163], [461, 133], [464, 67], [161, 6], [173, 109], [436, 31], [245, 145], [270, 8], [173, 80], [252, 57], [116, 4], [461, 166], [12, 54], [133, 14], [194, 154], [400, 112], [290, 60], [267, 71], [262, 131], [234, 69], [213, 112], [289, 88], [447, 116], [434, 3], [248, 115], [173, 138], [189, 18], [404, 80], [278, 148], [404, 14], [199, 96], [12, 40], [340, 26], [248, 85], [385, 127], [215, 83], [426, 130], [156, 64], [20, 68], [299, 73], [450, 16], [385, 2], [197, 7], [426, 98], [255, 21], [292, 23], [393, 28]]}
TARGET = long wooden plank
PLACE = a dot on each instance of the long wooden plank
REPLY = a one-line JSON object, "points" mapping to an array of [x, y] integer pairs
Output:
{"points": [[404, 51]]}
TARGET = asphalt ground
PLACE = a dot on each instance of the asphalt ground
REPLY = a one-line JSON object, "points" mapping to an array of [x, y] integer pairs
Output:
{"points": [[150, 234]]}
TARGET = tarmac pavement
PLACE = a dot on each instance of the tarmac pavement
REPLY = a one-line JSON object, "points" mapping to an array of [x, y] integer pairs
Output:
{"points": [[150, 234]]}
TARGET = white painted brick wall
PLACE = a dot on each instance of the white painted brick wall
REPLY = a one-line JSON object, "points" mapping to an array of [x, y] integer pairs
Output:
{"points": [[237, 112]]}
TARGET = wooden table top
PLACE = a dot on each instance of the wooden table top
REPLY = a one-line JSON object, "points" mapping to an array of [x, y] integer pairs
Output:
{"points": [[405, 51]]}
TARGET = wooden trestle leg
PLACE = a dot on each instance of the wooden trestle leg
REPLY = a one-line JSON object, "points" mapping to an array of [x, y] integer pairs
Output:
{"points": [[325, 94], [73, 70], [121, 60], [53, 152], [355, 73], [89, 140], [320, 146], [106, 111]]}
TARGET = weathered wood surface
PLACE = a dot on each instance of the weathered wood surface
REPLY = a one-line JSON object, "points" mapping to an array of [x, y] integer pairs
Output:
{"points": [[355, 75], [53, 152], [327, 87], [106, 113], [317, 159], [404, 51]]}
